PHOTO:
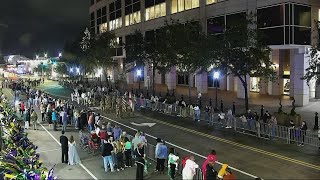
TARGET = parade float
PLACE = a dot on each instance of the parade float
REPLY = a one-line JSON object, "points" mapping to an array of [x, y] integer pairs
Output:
{"points": [[18, 157]]}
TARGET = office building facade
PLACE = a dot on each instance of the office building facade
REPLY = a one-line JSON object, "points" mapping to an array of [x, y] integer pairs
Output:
{"points": [[288, 25]]}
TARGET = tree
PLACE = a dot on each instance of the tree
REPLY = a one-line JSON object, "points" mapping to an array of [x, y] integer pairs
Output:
{"points": [[243, 53], [188, 45], [313, 71], [61, 68]]}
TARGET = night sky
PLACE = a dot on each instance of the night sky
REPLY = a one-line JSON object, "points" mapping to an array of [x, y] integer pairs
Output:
{"points": [[30, 27]]}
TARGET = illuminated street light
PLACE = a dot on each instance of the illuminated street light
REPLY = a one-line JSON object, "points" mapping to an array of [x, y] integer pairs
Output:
{"points": [[216, 75], [78, 70], [37, 56], [71, 70], [60, 54], [139, 77], [45, 55]]}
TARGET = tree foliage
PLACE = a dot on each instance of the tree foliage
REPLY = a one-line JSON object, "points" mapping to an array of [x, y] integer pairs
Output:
{"points": [[243, 53], [313, 71]]}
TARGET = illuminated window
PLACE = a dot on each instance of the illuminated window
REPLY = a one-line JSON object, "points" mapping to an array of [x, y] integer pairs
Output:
{"points": [[211, 1], [101, 17], [155, 9], [181, 5], [115, 15], [103, 27], [132, 12]]}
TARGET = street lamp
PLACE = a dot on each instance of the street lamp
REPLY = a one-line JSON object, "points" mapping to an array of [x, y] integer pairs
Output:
{"points": [[37, 56], [139, 75], [216, 76], [60, 54], [45, 55], [78, 70]]}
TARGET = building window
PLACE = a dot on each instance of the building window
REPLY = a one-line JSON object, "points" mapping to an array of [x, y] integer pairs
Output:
{"points": [[103, 27], [115, 15], [132, 12], [101, 17], [233, 20], [211, 1], [216, 25], [270, 16], [91, 2], [92, 22], [183, 79], [155, 9], [255, 84], [181, 5], [286, 24]]}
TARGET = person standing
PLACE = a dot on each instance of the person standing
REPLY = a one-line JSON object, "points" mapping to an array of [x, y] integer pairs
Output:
{"points": [[107, 148], [189, 169], [139, 152], [119, 149], [303, 130], [27, 119], [42, 111], [127, 152], [64, 120], [210, 158], [54, 119], [64, 148], [172, 163], [211, 173], [72, 152], [161, 153], [34, 118]]}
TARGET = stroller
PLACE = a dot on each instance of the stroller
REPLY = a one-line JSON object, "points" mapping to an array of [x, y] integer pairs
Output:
{"points": [[94, 143], [84, 141]]}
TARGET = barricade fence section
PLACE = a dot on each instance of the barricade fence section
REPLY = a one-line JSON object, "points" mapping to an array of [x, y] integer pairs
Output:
{"points": [[246, 126]]}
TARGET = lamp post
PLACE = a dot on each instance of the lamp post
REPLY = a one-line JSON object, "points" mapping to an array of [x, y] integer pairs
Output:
{"points": [[216, 76], [139, 77]]}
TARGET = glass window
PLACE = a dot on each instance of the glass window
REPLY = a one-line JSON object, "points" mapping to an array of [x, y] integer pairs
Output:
{"points": [[183, 79], [213, 82], [270, 16], [156, 11], [91, 2], [302, 35], [195, 3], [103, 27], [273, 36], [188, 4], [211, 1], [174, 6], [216, 25], [92, 16], [127, 20], [233, 20], [302, 15], [180, 5]]}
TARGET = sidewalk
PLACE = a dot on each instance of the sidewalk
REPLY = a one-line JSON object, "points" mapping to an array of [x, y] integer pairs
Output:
{"points": [[47, 142]]}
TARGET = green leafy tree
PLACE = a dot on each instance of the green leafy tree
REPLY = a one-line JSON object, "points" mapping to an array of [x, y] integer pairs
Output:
{"points": [[61, 68], [243, 53], [188, 45], [313, 71]]}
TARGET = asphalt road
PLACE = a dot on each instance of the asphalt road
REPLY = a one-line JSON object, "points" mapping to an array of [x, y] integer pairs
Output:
{"points": [[262, 158]]}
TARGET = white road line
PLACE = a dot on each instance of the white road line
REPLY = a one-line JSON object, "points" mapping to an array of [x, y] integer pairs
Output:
{"points": [[49, 150], [220, 163], [83, 167]]}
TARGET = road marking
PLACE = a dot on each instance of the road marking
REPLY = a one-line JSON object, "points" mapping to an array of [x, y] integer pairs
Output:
{"points": [[49, 150], [239, 145], [143, 124], [235, 169], [83, 167]]}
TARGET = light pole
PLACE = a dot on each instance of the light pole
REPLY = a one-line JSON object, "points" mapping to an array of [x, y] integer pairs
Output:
{"points": [[216, 76], [139, 75]]}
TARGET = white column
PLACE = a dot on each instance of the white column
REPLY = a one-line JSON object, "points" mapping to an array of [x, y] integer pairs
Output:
{"points": [[241, 91], [301, 88], [312, 88], [171, 78], [202, 82], [157, 77], [230, 83], [275, 85], [263, 86], [223, 82], [130, 77]]}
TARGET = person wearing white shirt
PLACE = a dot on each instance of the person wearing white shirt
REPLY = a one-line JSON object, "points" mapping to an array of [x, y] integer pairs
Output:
{"points": [[196, 113], [189, 169]]}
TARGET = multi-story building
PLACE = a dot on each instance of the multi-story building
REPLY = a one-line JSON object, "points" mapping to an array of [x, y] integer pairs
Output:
{"points": [[288, 24]]}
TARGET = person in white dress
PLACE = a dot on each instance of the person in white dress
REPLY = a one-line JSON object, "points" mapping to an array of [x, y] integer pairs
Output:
{"points": [[72, 152], [189, 169]]}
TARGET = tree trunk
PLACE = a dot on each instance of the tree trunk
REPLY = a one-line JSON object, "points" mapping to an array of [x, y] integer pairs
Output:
{"points": [[189, 85], [153, 77], [246, 99]]}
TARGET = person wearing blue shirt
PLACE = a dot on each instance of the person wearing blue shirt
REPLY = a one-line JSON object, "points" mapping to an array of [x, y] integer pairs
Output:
{"points": [[54, 119], [161, 153]]}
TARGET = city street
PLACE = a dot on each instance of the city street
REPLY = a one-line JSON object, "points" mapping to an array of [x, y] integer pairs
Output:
{"points": [[262, 158]]}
